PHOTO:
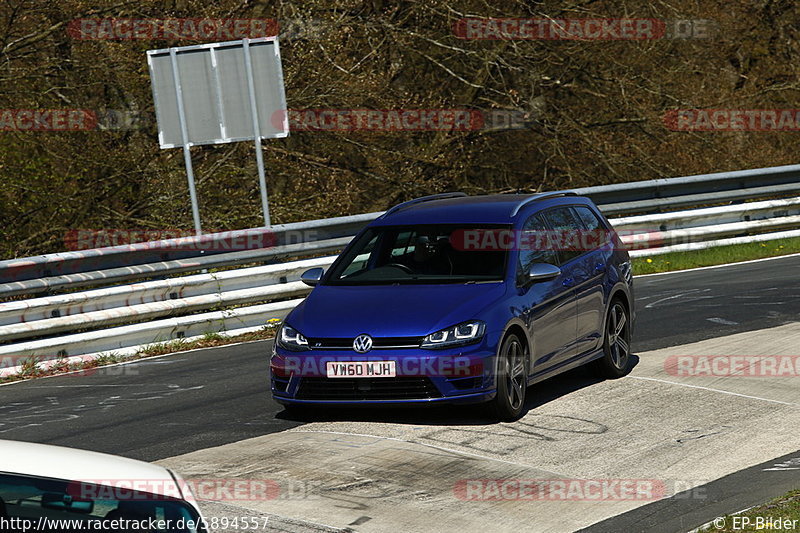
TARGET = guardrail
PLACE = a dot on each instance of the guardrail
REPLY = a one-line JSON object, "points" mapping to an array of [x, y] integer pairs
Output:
{"points": [[151, 270], [124, 317], [691, 191], [173, 255], [619, 199]]}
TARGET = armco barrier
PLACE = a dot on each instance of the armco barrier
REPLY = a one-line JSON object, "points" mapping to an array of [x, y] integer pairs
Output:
{"points": [[135, 272], [189, 250], [172, 289], [112, 339], [635, 197]]}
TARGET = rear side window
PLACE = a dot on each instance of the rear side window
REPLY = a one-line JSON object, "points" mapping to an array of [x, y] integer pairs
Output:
{"points": [[589, 219], [596, 233], [567, 229]]}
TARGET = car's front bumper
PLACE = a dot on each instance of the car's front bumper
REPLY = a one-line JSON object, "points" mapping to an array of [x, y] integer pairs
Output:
{"points": [[464, 399], [457, 376]]}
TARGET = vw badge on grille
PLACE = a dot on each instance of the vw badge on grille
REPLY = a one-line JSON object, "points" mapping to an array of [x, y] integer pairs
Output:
{"points": [[362, 343]]}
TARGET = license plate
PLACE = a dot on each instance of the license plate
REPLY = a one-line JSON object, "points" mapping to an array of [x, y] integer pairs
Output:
{"points": [[361, 369]]}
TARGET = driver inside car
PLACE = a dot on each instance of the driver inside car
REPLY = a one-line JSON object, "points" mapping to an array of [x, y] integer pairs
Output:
{"points": [[430, 255]]}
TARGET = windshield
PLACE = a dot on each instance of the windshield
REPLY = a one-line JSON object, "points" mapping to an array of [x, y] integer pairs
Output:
{"points": [[417, 254], [66, 506]]}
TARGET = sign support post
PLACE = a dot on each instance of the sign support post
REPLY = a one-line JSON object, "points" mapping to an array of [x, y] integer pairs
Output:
{"points": [[251, 90], [187, 153]]}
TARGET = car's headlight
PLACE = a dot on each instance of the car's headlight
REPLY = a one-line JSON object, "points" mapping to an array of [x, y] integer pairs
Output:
{"points": [[291, 339], [464, 333]]}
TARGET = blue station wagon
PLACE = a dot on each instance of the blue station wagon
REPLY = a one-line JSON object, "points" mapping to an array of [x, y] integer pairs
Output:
{"points": [[460, 299]]}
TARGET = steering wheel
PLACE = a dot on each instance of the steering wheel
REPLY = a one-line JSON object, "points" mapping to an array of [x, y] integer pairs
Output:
{"points": [[401, 266]]}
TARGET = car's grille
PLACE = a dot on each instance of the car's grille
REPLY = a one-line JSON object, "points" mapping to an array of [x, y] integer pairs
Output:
{"points": [[402, 388], [378, 343]]}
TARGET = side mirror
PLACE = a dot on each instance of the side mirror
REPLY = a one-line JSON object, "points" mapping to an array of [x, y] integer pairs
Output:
{"points": [[543, 272], [312, 277]]}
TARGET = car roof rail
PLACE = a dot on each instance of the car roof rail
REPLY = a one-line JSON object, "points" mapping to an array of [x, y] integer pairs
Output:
{"points": [[541, 196], [440, 196]]}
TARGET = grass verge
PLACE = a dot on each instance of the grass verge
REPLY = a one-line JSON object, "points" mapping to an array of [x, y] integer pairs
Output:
{"points": [[781, 514], [715, 256]]}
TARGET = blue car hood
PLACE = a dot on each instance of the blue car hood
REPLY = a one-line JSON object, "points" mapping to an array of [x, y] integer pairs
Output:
{"points": [[391, 310]]}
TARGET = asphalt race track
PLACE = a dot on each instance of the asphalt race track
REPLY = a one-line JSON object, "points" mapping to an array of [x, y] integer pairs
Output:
{"points": [[683, 307], [170, 406]]}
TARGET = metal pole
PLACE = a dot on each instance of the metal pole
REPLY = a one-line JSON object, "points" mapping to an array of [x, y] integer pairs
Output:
{"points": [[251, 89], [187, 154]]}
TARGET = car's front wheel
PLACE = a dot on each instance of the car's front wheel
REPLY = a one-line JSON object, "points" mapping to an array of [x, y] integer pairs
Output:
{"points": [[511, 379], [617, 343]]}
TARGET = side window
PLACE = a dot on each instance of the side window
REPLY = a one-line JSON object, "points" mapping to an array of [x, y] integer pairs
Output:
{"points": [[596, 233], [567, 229], [535, 247]]}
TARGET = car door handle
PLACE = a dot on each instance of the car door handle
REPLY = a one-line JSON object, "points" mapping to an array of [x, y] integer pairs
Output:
{"points": [[600, 267], [568, 282]]}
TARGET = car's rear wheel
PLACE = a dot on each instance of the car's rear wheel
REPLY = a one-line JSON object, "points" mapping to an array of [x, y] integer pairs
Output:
{"points": [[511, 378], [616, 344]]}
